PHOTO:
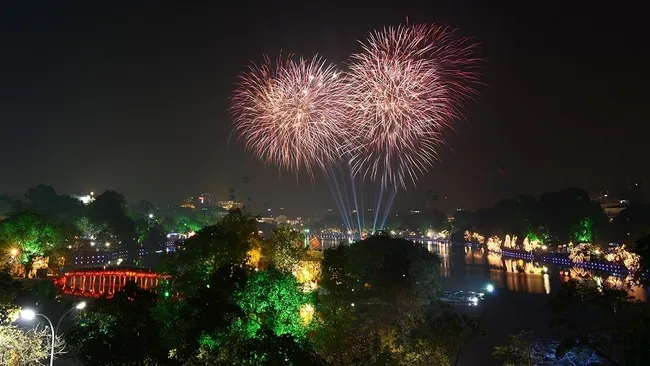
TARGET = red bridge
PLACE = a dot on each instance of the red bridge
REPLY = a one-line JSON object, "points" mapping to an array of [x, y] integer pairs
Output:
{"points": [[105, 282]]}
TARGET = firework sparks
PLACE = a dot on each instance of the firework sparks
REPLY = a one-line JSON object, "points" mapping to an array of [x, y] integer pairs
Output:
{"points": [[292, 113], [406, 88]]}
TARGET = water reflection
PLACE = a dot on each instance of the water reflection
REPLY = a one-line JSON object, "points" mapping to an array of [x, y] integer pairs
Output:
{"points": [[471, 268]]}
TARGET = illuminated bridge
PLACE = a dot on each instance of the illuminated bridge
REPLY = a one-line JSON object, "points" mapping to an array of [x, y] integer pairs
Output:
{"points": [[96, 282]]}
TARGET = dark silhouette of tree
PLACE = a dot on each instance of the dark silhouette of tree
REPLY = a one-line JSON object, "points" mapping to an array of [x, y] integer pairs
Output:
{"points": [[563, 211], [604, 320], [269, 349], [518, 215], [227, 242], [44, 200], [108, 218], [10, 205], [631, 223], [119, 331], [143, 209], [375, 293], [9, 290]]}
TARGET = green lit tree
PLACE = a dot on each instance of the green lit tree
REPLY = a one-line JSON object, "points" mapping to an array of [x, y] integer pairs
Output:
{"points": [[274, 300], [32, 236]]}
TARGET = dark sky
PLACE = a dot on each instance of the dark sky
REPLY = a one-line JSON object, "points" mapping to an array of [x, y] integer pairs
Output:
{"points": [[133, 95]]}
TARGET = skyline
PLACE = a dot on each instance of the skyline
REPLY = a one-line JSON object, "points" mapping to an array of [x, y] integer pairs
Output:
{"points": [[135, 99]]}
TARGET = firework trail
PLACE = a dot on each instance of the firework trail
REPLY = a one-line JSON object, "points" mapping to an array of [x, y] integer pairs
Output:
{"points": [[292, 113], [407, 88]]}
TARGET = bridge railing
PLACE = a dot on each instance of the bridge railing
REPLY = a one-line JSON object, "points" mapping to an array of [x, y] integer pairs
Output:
{"points": [[105, 282]]}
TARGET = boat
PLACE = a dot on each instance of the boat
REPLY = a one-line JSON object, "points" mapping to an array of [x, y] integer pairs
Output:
{"points": [[469, 298]]}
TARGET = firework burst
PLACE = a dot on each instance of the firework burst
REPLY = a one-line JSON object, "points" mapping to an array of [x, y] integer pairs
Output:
{"points": [[291, 112], [407, 87]]}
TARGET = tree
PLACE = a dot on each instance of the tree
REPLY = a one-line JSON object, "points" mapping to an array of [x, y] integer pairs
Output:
{"points": [[44, 200], [9, 289], [631, 223], [642, 248], [19, 346], [274, 300], [602, 319], [143, 209], [32, 235], [227, 242], [26, 347], [119, 331], [9, 205], [381, 288], [519, 351], [108, 217], [562, 213], [284, 249], [525, 349], [190, 321], [448, 330], [268, 349]]}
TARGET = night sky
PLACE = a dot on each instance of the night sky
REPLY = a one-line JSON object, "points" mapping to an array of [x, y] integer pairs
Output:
{"points": [[134, 97]]}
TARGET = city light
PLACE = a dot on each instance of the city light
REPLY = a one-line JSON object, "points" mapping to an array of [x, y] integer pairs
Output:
{"points": [[489, 288]]}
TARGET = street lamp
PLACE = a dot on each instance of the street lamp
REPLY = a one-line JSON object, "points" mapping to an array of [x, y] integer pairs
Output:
{"points": [[79, 306], [30, 315]]}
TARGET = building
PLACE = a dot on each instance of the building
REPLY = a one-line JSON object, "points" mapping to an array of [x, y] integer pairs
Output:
{"points": [[86, 199], [610, 205], [229, 205], [207, 201]]}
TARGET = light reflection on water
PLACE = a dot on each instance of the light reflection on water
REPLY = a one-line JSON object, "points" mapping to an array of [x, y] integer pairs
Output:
{"points": [[468, 268]]}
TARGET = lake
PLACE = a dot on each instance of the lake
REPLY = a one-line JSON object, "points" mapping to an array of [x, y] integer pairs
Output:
{"points": [[519, 302]]}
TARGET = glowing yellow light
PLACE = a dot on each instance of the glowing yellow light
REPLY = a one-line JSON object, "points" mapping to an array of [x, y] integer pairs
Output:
{"points": [[306, 314], [254, 256], [308, 274], [14, 252]]}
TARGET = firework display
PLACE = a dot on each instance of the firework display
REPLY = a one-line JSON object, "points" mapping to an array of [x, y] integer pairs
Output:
{"points": [[406, 88], [291, 112], [383, 119]]}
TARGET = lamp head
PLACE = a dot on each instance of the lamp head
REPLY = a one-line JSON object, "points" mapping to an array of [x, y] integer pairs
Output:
{"points": [[27, 314], [81, 305]]}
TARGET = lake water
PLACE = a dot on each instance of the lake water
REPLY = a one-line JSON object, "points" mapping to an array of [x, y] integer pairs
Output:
{"points": [[520, 300]]}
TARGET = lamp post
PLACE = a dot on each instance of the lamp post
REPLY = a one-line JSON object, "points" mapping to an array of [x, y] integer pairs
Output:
{"points": [[29, 315], [79, 306]]}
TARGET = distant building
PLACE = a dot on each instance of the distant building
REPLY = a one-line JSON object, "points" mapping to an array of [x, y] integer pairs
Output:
{"points": [[206, 201], [229, 205], [86, 199], [610, 205]]}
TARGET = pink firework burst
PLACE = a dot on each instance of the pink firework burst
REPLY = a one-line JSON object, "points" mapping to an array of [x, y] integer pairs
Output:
{"points": [[407, 87], [291, 112]]}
